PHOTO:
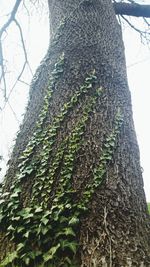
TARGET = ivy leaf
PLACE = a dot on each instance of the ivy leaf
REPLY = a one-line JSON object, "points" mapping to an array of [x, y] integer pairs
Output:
{"points": [[63, 219], [10, 228], [44, 230], [50, 254], [68, 206], [108, 157], [69, 231], [44, 220], [29, 170], [81, 207], [74, 221], [89, 85], [26, 234], [38, 210], [70, 245], [2, 201], [6, 194], [10, 258], [27, 260], [16, 218], [112, 143], [28, 215], [20, 229], [14, 195], [20, 246], [47, 213], [107, 145], [68, 261]]}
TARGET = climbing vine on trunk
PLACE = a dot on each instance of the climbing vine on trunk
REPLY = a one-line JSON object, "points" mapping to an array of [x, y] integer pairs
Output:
{"points": [[46, 231]]}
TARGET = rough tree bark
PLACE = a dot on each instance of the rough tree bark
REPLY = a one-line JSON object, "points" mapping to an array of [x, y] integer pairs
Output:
{"points": [[83, 154]]}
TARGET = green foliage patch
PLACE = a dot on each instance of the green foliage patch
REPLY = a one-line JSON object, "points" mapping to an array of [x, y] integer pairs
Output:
{"points": [[46, 232]]}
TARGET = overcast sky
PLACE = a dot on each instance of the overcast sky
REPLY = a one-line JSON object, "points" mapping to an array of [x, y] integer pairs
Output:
{"points": [[35, 26]]}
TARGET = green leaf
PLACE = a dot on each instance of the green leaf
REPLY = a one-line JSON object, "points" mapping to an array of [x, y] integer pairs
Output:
{"points": [[26, 234], [74, 221], [44, 230], [63, 219], [24, 211], [68, 261], [29, 170], [10, 204], [38, 210], [44, 220], [14, 195], [50, 254], [27, 260], [10, 258], [108, 157], [28, 215], [107, 145], [2, 201], [61, 233], [99, 90], [10, 228], [20, 246], [69, 231], [20, 229], [89, 85], [68, 206], [47, 213], [70, 245], [16, 218]]}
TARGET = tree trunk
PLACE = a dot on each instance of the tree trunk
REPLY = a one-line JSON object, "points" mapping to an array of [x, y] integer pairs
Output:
{"points": [[73, 193]]}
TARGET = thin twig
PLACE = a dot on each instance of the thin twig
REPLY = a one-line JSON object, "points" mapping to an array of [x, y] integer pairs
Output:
{"points": [[146, 21], [24, 82], [24, 65], [18, 78], [12, 17], [22, 39], [23, 44], [2, 69], [13, 113], [2, 30], [143, 34]]}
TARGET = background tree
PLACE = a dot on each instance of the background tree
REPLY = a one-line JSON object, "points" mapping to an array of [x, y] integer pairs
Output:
{"points": [[74, 178]]}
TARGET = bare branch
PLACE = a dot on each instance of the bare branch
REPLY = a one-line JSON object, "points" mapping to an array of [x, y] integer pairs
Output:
{"points": [[2, 30], [18, 78], [3, 72], [24, 47], [25, 62], [22, 40], [143, 34], [12, 17], [24, 82], [15, 116], [133, 9], [2, 78], [146, 21]]}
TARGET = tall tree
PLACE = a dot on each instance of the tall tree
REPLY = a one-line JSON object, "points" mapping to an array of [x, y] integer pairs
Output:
{"points": [[73, 194]]}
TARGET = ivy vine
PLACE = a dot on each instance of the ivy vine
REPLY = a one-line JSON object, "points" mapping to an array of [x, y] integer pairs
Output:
{"points": [[50, 138], [46, 232]]}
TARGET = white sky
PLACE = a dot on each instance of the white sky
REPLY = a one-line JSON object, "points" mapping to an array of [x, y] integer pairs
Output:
{"points": [[36, 35]]}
